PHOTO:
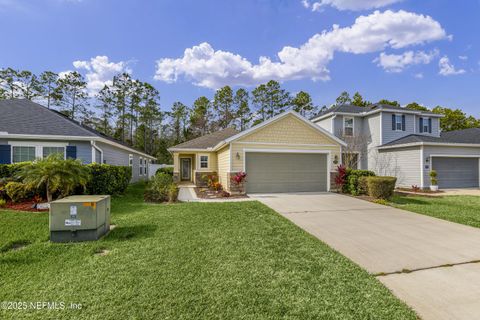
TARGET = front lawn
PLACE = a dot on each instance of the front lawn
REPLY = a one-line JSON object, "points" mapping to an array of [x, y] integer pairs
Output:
{"points": [[460, 209], [187, 261]]}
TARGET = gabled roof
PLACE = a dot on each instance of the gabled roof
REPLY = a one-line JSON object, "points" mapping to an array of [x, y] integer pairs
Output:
{"points": [[462, 137], [21, 118], [363, 111], [226, 136], [208, 141]]}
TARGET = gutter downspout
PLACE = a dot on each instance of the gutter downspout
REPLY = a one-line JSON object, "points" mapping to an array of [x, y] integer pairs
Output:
{"points": [[95, 147]]}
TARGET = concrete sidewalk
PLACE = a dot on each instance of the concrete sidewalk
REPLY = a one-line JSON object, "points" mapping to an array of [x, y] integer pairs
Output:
{"points": [[386, 241]]}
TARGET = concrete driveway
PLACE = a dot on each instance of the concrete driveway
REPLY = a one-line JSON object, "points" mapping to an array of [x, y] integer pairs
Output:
{"points": [[429, 263]]}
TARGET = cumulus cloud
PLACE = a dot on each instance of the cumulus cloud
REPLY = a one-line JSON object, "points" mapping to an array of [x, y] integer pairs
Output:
{"points": [[398, 62], [207, 67], [100, 71], [418, 75], [448, 69], [353, 5]]}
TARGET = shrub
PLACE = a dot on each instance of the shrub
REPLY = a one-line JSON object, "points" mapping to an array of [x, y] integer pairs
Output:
{"points": [[381, 187], [159, 188], [3, 203], [11, 170], [167, 170], [433, 178], [363, 185], [54, 175], [239, 180], [108, 179], [341, 177], [173, 193], [18, 191], [352, 178]]}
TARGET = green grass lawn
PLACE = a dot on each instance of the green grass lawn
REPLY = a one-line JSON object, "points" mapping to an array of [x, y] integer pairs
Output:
{"points": [[460, 209], [187, 261]]}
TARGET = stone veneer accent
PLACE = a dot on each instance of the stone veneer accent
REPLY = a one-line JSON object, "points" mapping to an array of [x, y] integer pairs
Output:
{"points": [[176, 177], [333, 186], [233, 187]]}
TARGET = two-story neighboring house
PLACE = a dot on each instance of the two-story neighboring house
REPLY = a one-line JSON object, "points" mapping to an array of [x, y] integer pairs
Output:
{"points": [[405, 143]]}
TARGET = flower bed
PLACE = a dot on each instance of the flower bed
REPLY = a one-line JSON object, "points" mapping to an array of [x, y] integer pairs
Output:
{"points": [[23, 206], [207, 193]]}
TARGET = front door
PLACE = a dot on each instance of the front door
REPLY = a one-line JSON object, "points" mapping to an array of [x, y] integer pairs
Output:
{"points": [[186, 169]]}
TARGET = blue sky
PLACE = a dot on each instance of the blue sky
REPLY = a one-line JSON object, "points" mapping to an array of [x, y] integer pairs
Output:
{"points": [[424, 51]]}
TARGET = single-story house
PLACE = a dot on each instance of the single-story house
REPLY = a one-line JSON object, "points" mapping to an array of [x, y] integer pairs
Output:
{"points": [[29, 130], [286, 153]]}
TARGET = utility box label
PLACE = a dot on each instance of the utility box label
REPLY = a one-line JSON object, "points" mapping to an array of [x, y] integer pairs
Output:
{"points": [[73, 222], [73, 211]]}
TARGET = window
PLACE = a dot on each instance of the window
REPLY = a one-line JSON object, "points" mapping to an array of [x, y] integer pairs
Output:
{"points": [[425, 125], [141, 166], [130, 160], [398, 122], [21, 154], [348, 127], [52, 150], [203, 161]]}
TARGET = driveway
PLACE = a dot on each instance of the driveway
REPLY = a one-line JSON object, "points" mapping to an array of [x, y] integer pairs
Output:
{"points": [[429, 263]]}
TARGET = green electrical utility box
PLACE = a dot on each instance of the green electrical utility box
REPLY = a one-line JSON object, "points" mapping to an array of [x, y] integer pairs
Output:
{"points": [[79, 218]]}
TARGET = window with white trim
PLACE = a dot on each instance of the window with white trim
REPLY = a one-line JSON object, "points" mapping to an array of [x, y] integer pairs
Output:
{"points": [[23, 153], [52, 150], [348, 127], [203, 162], [398, 122], [426, 125], [141, 166], [130, 160]]}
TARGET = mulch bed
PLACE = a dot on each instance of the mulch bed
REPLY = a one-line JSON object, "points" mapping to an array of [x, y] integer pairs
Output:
{"points": [[423, 191], [205, 193], [23, 206]]}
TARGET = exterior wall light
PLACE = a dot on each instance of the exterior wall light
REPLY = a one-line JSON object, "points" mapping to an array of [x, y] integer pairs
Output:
{"points": [[335, 159], [237, 156]]}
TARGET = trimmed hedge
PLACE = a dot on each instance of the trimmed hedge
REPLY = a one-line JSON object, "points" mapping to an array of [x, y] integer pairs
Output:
{"points": [[167, 170], [381, 187], [108, 179], [353, 178]]}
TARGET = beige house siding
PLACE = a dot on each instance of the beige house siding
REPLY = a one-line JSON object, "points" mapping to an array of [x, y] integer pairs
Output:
{"points": [[176, 162], [223, 157], [289, 130], [212, 162]]}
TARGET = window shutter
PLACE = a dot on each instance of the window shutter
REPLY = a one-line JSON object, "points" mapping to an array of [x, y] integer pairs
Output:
{"points": [[403, 122], [393, 122], [421, 125], [429, 125], [72, 152], [5, 153]]}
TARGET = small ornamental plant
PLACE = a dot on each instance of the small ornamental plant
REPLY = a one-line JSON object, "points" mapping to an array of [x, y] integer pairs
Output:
{"points": [[341, 177], [433, 180], [239, 179]]}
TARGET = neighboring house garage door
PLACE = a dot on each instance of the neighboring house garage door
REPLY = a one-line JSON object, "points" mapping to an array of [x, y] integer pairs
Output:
{"points": [[286, 172], [456, 172]]}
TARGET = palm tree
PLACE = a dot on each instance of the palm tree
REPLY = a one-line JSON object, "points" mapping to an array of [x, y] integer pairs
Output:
{"points": [[55, 175]]}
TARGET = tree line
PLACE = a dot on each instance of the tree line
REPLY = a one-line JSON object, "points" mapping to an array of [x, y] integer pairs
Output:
{"points": [[129, 109]]}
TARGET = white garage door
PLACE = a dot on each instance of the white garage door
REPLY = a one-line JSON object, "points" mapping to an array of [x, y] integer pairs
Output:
{"points": [[286, 172]]}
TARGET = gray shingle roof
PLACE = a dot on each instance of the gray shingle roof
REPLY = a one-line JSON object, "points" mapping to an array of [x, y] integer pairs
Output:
{"points": [[348, 108], [20, 116], [207, 141], [467, 136]]}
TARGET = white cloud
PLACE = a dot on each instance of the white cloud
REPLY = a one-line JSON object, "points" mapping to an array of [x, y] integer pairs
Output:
{"points": [[211, 68], [354, 5], [100, 71], [448, 69], [463, 58], [418, 75], [398, 62]]}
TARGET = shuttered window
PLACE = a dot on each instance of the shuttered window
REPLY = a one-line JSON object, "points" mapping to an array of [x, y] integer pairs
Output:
{"points": [[21, 154], [52, 150]]}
